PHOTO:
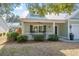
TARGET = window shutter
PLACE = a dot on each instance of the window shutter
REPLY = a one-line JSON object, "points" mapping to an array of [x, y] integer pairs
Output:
{"points": [[40, 29], [31, 28], [44, 28]]}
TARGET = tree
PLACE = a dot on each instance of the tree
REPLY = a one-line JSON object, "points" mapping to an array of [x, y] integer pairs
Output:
{"points": [[12, 18], [43, 9], [7, 8]]}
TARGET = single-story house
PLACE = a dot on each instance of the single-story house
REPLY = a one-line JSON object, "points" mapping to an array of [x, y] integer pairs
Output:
{"points": [[61, 25]]}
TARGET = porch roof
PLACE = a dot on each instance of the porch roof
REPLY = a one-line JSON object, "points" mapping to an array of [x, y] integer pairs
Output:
{"points": [[26, 20]]}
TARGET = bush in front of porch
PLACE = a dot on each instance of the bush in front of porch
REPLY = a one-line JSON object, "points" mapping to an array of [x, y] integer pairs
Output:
{"points": [[39, 37], [12, 36], [53, 37], [21, 38]]}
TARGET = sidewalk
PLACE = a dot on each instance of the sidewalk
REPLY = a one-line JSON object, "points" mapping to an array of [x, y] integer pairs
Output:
{"points": [[67, 40]]}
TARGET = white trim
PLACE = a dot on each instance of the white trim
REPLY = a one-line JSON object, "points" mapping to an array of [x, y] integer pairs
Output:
{"points": [[42, 21], [22, 27], [53, 27], [68, 28], [63, 37]]}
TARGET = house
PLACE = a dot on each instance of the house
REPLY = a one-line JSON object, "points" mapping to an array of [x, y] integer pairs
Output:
{"points": [[61, 24], [13, 26], [6, 27], [3, 27]]}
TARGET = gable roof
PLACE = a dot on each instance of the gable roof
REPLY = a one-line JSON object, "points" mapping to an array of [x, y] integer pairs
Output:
{"points": [[75, 15], [50, 16]]}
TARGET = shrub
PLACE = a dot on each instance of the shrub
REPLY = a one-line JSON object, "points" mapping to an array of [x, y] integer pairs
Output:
{"points": [[39, 37], [12, 36], [4, 34], [0, 34], [53, 38], [22, 38]]}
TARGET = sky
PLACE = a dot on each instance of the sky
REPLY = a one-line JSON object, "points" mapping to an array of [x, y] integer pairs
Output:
{"points": [[21, 10]]}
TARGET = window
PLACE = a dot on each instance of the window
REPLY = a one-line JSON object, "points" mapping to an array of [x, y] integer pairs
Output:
{"points": [[37, 28], [41, 28]]}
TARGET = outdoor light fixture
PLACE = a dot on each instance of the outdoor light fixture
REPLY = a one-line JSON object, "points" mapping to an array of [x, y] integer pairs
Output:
{"points": [[70, 26]]}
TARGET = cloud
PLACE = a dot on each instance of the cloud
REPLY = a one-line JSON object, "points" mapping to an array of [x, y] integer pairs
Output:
{"points": [[19, 10], [24, 14]]}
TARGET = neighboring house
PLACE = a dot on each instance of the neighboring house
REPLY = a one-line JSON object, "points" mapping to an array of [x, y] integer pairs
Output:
{"points": [[13, 26], [6, 27], [60, 24], [3, 26]]}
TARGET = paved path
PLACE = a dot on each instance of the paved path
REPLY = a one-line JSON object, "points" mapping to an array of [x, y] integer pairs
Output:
{"points": [[71, 41]]}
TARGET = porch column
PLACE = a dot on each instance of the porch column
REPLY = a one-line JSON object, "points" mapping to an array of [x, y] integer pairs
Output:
{"points": [[53, 27], [22, 27], [68, 28]]}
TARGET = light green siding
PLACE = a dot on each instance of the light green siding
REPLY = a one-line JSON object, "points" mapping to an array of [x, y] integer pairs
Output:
{"points": [[26, 27], [63, 30], [49, 28]]}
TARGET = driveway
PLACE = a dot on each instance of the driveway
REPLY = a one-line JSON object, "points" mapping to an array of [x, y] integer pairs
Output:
{"points": [[32, 48]]}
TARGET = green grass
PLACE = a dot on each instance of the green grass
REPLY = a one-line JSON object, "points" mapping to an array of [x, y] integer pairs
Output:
{"points": [[14, 51]]}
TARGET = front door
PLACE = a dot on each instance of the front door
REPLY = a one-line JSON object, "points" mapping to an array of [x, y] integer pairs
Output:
{"points": [[56, 30]]}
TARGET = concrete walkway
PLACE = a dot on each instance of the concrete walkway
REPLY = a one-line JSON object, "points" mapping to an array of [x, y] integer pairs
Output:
{"points": [[67, 40]]}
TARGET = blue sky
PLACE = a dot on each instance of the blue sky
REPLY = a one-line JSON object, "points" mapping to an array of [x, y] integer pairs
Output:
{"points": [[19, 10]]}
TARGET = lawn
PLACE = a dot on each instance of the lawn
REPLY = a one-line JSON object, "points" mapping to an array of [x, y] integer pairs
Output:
{"points": [[32, 48]]}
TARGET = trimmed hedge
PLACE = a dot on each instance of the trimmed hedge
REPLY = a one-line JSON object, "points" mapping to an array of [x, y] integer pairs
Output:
{"points": [[39, 37], [22, 38], [12, 36], [53, 38]]}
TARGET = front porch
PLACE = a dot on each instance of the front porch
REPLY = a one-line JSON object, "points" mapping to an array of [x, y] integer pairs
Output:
{"points": [[45, 27]]}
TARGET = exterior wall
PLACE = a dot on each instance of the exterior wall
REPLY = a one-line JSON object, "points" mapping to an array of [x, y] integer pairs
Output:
{"points": [[74, 22], [26, 29], [70, 22], [63, 30], [67, 29], [49, 28]]}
